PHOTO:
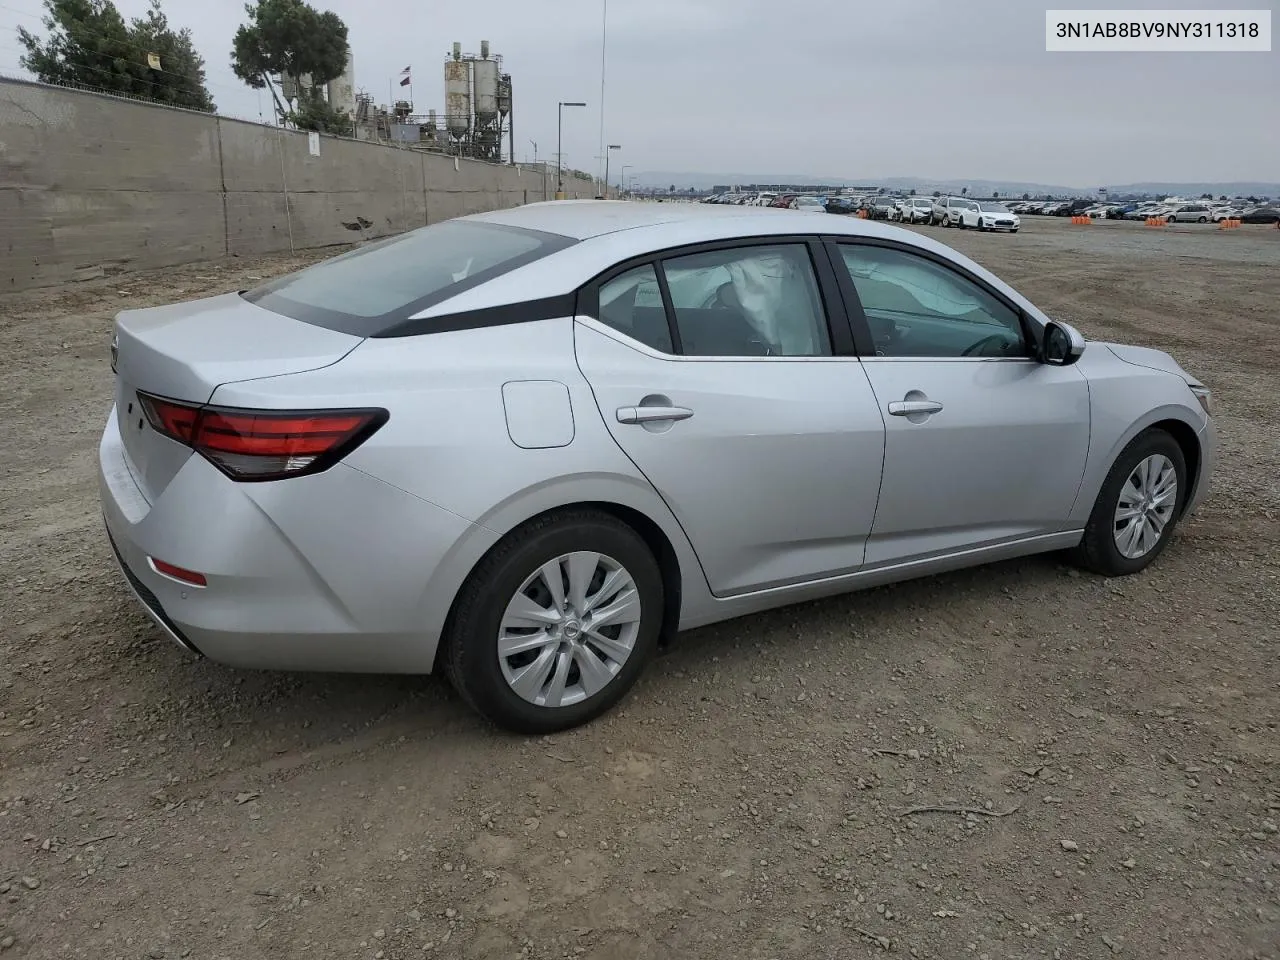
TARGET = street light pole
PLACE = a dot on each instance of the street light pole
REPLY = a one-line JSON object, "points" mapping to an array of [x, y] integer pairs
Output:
{"points": [[612, 146], [559, 154], [622, 180], [535, 152], [604, 39]]}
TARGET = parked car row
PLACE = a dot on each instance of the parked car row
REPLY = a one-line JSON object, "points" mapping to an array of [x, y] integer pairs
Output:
{"points": [[1173, 210], [937, 211], [960, 211]]}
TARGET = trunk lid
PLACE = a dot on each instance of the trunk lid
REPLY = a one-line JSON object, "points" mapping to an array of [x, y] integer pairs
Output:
{"points": [[186, 351]]}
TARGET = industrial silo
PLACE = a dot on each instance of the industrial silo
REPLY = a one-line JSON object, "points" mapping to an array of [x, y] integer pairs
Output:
{"points": [[485, 74], [457, 95], [342, 89]]}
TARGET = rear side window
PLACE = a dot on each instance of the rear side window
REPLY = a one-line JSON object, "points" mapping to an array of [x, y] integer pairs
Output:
{"points": [[748, 301], [631, 303], [367, 291]]}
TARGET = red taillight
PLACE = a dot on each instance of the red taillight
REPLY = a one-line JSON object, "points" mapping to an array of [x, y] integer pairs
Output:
{"points": [[263, 444]]}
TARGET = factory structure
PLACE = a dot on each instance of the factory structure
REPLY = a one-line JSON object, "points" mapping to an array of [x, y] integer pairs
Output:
{"points": [[476, 121]]}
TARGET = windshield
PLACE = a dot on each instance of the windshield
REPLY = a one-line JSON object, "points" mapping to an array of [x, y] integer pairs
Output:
{"points": [[994, 208], [921, 203], [368, 290]]}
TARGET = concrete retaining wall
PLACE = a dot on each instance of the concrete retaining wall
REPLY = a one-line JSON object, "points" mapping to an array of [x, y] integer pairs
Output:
{"points": [[92, 183]]}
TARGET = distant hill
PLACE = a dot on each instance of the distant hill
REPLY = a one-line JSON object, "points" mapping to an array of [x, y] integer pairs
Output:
{"points": [[705, 181]]}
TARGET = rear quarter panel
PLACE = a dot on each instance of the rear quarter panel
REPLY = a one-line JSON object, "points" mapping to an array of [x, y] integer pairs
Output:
{"points": [[448, 438]]}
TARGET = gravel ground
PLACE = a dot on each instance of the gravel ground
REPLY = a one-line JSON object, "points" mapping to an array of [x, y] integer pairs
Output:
{"points": [[1115, 741]]}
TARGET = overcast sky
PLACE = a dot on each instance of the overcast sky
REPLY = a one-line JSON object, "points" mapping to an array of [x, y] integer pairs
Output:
{"points": [[941, 89]]}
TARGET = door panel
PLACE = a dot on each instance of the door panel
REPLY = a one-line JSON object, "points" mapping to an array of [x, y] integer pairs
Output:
{"points": [[774, 475], [1002, 459], [982, 443]]}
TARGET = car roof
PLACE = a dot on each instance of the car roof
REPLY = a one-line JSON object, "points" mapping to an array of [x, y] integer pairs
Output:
{"points": [[613, 232], [585, 219], [645, 226]]}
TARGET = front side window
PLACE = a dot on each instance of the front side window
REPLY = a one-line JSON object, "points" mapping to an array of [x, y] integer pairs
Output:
{"points": [[919, 308], [748, 301]]}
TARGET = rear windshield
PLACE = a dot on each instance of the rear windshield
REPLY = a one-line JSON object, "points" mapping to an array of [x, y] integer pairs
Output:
{"points": [[366, 291]]}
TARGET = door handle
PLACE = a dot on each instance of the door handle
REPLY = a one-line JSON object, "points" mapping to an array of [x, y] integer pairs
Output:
{"points": [[905, 408], [648, 414]]}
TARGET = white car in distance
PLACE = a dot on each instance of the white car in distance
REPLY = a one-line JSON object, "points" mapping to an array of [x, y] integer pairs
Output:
{"points": [[989, 215], [916, 210]]}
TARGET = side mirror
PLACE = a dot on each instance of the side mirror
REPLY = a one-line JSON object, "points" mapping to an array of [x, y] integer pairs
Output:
{"points": [[1061, 344]]}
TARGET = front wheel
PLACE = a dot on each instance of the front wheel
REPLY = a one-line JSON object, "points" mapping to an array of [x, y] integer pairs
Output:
{"points": [[1137, 508], [1203, 220], [556, 624]]}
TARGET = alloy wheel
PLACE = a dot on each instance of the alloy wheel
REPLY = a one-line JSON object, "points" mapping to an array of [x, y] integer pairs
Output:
{"points": [[1145, 507], [569, 629]]}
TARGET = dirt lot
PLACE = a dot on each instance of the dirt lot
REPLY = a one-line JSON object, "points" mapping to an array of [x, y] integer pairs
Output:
{"points": [[1119, 738]]}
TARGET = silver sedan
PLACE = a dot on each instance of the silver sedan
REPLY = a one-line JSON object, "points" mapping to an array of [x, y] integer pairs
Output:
{"points": [[525, 447]]}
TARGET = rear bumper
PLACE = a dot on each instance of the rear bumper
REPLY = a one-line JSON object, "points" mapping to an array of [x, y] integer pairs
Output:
{"points": [[149, 601], [330, 572]]}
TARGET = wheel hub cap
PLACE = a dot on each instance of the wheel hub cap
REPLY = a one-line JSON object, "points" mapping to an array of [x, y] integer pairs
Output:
{"points": [[569, 629], [1145, 506]]}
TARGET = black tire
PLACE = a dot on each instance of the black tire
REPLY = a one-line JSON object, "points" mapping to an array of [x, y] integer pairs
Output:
{"points": [[470, 655], [1097, 551], [1203, 220], [1013, 230]]}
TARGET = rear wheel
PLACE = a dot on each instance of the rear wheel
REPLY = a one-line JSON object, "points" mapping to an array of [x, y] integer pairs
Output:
{"points": [[556, 623], [1203, 220], [1137, 508]]}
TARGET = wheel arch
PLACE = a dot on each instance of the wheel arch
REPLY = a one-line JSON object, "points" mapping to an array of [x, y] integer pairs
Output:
{"points": [[1189, 443], [682, 573], [1174, 420]]}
